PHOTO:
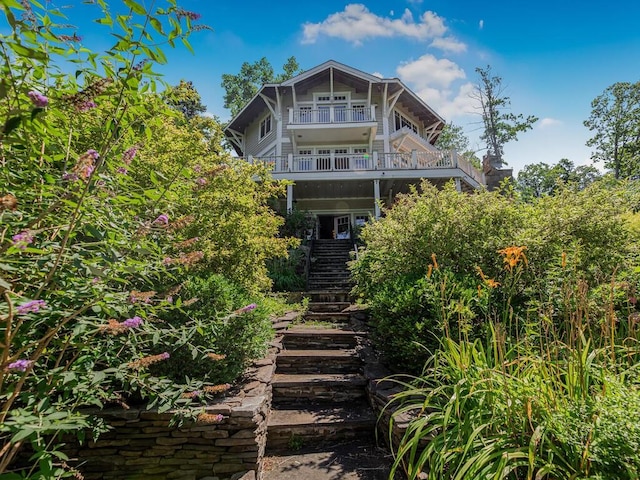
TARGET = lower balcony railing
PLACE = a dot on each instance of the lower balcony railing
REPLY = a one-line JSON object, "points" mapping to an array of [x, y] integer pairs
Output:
{"points": [[351, 162]]}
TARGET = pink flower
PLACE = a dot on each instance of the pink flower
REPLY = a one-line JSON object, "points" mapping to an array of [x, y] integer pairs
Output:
{"points": [[134, 322], [121, 170], [129, 154], [38, 99], [86, 106], [163, 219], [248, 308], [20, 365], [93, 154], [31, 306], [201, 181], [72, 177], [22, 239]]}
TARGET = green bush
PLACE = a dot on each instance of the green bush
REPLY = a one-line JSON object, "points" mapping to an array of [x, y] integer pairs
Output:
{"points": [[572, 236], [287, 274], [240, 338]]}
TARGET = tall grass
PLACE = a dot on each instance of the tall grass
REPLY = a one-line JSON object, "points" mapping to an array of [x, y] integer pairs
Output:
{"points": [[554, 394]]}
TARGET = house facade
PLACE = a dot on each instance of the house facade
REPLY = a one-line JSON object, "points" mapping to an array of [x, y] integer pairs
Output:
{"points": [[349, 141]]}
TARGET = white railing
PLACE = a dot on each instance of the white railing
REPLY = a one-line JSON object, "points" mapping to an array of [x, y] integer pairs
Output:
{"points": [[333, 162], [332, 114], [353, 162]]}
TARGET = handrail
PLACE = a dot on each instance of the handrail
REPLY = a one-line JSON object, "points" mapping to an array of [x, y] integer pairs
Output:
{"points": [[331, 114]]}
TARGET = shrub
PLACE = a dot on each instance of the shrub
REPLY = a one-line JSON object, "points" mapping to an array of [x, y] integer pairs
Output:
{"points": [[219, 345]]}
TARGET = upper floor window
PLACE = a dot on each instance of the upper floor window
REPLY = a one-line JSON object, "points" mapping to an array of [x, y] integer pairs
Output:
{"points": [[266, 126], [402, 121]]}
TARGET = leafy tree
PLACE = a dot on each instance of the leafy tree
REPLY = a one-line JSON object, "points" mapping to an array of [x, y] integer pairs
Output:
{"points": [[184, 98], [538, 179], [452, 137], [615, 121], [499, 127], [241, 88]]}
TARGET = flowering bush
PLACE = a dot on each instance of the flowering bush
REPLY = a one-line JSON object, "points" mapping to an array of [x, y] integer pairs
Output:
{"points": [[96, 240]]}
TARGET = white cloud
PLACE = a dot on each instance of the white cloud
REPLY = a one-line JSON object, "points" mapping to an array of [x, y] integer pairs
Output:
{"points": [[449, 44], [377, 74], [433, 80], [548, 122], [429, 71], [481, 24], [357, 23]]}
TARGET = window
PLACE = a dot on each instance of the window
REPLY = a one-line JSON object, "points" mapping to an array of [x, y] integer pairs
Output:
{"points": [[265, 126], [402, 121]]}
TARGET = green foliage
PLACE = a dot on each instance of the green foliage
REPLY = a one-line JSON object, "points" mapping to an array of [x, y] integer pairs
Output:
{"points": [[540, 179], [452, 137], [241, 88], [240, 338], [499, 127], [395, 272], [615, 123], [110, 200], [287, 274]]}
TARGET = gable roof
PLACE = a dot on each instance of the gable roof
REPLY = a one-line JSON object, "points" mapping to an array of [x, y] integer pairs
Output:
{"points": [[353, 77]]}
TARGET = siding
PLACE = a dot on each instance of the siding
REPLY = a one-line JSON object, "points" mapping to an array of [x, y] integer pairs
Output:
{"points": [[253, 144]]}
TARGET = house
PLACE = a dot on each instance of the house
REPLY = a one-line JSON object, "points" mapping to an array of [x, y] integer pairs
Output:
{"points": [[348, 140]]}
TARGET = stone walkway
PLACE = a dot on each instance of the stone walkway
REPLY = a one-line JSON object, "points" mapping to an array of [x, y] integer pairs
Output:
{"points": [[357, 460]]}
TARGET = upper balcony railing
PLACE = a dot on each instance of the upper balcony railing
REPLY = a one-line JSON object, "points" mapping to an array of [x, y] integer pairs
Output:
{"points": [[331, 115], [354, 162]]}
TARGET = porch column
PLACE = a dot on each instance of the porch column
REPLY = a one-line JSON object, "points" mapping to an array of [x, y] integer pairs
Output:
{"points": [[289, 198], [376, 196], [458, 185]]}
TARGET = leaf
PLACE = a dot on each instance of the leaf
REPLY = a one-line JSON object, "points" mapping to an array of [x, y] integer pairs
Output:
{"points": [[135, 6], [35, 112], [11, 124]]}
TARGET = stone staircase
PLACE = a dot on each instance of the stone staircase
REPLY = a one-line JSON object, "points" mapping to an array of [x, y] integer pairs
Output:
{"points": [[319, 391], [328, 269]]}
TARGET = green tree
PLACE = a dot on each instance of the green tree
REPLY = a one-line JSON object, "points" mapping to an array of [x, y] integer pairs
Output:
{"points": [[452, 137], [538, 179], [241, 88], [615, 122], [500, 127], [184, 98]]}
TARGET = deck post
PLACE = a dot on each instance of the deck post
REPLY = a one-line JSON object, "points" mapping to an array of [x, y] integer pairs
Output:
{"points": [[376, 196], [289, 198], [458, 185]]}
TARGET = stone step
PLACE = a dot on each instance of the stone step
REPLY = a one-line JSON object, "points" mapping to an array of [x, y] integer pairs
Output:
{"points": [[326, 296], [330, 317], [302, 337], [318, 361], [314, 425], [329, 286], [319, 307], [290, 389]]}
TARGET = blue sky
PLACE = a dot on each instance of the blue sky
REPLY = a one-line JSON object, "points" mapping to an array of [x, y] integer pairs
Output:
{"points": [[554, 57]]}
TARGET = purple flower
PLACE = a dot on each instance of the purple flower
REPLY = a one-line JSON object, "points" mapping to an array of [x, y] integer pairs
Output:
{"points": [[86, 106], [31, 306], [22, 239], [169, 299], [164, 219], [121, 170], [197, 169], [129, 154], [21, 365], [72, 177], [93, 154], [201, 181], [134, 322], [38, 99], [164, 356], [248, 308], [167, 261]]}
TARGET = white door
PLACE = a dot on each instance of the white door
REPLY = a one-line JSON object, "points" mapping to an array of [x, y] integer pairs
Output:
{"points": [[341, 226]]}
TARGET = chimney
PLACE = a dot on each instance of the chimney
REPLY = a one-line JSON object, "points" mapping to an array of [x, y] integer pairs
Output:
{"points": [[494, 173]]}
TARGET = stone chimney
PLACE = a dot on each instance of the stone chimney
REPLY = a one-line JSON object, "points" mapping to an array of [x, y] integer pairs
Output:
{"points": [[494, 173]]}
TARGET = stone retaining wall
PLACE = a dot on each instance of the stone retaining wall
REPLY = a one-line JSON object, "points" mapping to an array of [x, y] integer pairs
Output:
{"points": [[145, 445]]}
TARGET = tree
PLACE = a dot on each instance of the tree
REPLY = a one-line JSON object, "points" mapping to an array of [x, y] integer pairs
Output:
{"points": [[538, 179], [184, 98], [452, 137], [615, 121], [241, 88], [499, 127]]}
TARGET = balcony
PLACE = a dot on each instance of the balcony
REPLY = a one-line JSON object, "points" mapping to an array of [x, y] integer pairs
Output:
{"points": [[415, 164], [308, 125]]}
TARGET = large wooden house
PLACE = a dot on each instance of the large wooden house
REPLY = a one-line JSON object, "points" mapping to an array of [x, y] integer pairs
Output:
{"points": [[348, 140]]}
